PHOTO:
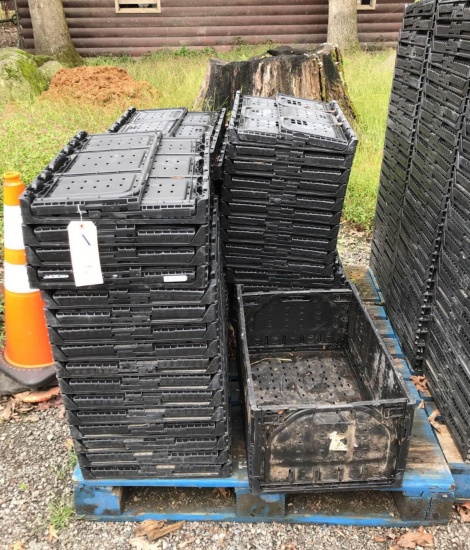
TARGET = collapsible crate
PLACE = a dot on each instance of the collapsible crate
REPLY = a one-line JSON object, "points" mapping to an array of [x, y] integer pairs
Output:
{"points": [[326, 408]]}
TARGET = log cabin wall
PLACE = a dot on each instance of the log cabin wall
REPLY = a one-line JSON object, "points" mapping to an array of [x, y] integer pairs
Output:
{"points": [[97, 29]]}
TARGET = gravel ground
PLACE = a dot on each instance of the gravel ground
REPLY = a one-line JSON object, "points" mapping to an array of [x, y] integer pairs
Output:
{"points": [[36, 490]]}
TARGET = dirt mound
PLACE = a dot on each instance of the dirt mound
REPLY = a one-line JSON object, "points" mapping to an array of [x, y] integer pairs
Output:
{"points": [[97, 85]]}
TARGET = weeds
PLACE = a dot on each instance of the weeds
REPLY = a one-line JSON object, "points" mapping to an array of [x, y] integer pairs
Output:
{"points": [[60, 513]]}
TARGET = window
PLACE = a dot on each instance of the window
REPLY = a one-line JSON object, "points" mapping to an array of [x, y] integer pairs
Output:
{"points": [[130, 6], [366, 4]]}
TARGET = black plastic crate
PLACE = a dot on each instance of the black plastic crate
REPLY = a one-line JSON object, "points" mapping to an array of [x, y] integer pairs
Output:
{"points": [[157, 416], [207, 428], [184, 314], [157, 366], [264, 213], [168, 381], [247, 236], [138, 277], [253, 201], [456, 100], [289, 120], [340, 365], [133, 332], [263, 167], [286, 155], [156, 471], [423, 10], [149, 458], [157, 398], [411, 51], [134, 350], [123, 297], [283, 186], [453, 10], [251, 276], [174, 186], [174, 123], [273, 225], [326, 254], [174, 116], [115, 233], [129, 255], [153, 443], [457, 29]]}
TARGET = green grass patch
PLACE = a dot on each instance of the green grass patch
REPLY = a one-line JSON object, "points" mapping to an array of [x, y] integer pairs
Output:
{"points": [[369, 79], [31, 135], [61, 513]]}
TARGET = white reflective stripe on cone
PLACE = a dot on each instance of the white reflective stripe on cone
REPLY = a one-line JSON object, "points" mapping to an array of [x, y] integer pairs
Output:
{"points": [[13, 234], [16, 279]]}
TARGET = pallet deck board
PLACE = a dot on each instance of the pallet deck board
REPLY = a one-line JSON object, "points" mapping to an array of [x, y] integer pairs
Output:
{"points": [[425, 498], [460, 469]]}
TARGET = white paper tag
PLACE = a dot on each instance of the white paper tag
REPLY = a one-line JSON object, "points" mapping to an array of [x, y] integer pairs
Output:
{"points": [[83, 242], [175, 278], [338, 442]]}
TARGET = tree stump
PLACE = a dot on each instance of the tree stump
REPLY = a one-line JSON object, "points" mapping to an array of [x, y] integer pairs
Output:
{"points": [[308, 74]]}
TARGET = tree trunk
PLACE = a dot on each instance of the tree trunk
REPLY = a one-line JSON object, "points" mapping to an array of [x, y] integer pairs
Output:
{"points": [[51, 33], [342, 24], [308, 74]]}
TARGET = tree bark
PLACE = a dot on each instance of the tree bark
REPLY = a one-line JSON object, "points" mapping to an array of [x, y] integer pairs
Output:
{"points": [[342, 24], [51, 33], [308, 74]]}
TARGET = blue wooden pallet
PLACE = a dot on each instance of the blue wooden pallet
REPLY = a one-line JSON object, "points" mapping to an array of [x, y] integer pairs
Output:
{"points": [[425, 498], [459, 469]]}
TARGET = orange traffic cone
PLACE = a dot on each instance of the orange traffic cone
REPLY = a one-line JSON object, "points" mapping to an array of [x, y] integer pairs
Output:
{"points": [[27, 357]]}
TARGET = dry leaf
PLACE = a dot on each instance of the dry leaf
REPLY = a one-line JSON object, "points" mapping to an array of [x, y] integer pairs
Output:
{"points": [[18, 545], [433, 421], [147, 526], [45, 405], [21, 396], [380, 539], [420, 383], [421, 404], [53, 535], [222, 491], [7, 412], [154, 529], [39, 396], [412, 539], [68, 444], [464, 511]]}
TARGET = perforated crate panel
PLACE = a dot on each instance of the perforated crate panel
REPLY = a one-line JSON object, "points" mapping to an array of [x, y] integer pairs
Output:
{"points": [[305, 378]]}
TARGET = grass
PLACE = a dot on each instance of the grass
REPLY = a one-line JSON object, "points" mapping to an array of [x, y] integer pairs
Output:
{"points": [[60, 514], [369, 79], [30, 135]]}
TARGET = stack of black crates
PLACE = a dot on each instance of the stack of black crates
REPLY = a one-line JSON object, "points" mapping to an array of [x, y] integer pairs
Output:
{"points": [[420, 251], [311, 361], [142, 358], [287, 167], [394, 199]]}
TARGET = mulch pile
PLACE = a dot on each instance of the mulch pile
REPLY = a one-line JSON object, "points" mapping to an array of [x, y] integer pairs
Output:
{"points": [[97, 85]]}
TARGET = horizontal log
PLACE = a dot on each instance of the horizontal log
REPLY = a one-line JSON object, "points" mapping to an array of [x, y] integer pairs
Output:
{"points": [[149, 35], [270, 31]]}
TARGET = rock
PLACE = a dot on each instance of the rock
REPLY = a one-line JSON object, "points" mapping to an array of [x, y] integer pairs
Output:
{"points": [[50, 68], [20, 78]]}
